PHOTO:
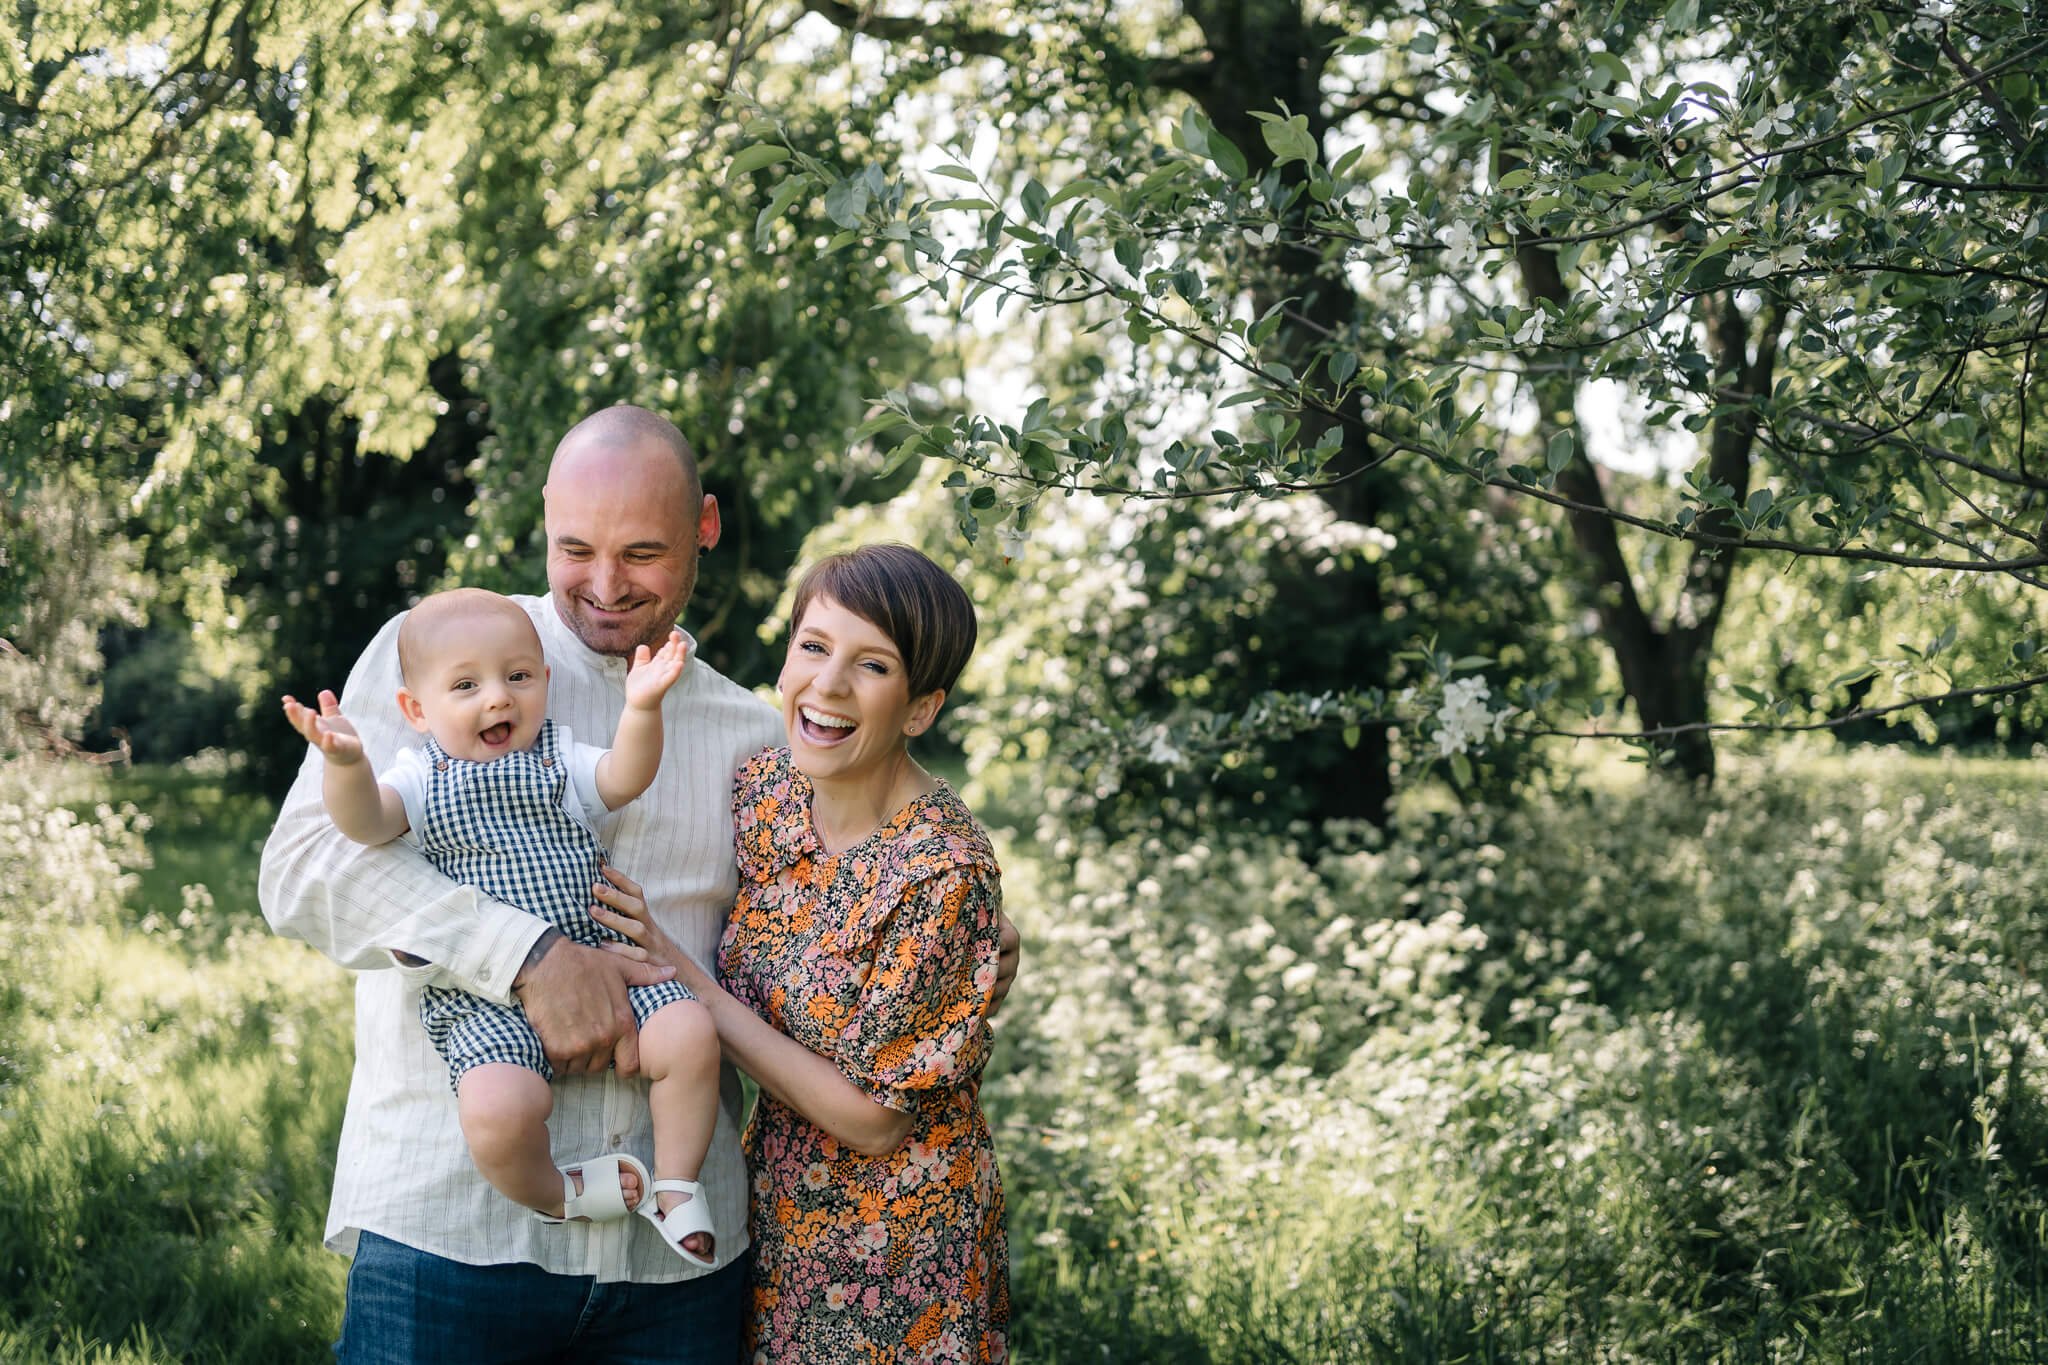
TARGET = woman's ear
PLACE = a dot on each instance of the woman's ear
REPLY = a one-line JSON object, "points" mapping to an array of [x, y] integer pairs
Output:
{"points": [[924, 711]]}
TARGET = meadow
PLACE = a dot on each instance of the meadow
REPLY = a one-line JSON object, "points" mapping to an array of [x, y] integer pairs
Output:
{"points": [[1624, 1073]]}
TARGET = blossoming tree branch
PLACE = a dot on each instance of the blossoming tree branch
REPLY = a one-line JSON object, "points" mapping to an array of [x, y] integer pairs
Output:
{"points": [[1806, 250]]}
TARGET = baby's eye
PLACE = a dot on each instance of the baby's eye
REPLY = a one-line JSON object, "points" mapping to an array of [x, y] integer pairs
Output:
{"points": [[466, 685], [520, 675]]}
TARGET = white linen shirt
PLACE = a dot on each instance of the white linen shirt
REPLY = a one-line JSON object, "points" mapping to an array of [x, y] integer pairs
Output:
{"points": [[403, 1170]]}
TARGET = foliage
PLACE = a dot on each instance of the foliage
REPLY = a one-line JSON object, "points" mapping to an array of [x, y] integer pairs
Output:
{"points": [[1558, 1082], [313, 290], [1564, 1081], [1437, 225], [1113, 646], [171, 1087]]}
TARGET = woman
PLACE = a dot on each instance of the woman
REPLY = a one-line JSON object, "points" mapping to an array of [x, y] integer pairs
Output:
{"points": [[858, 967]]}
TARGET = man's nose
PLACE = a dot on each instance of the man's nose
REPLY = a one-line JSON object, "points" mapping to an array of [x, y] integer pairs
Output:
{"points": [[608, 582]]}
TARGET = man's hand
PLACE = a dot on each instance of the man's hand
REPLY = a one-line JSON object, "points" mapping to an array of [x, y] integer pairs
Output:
{"points": [[575, 998], [1009, 951], [326, 729], [653, 672]]}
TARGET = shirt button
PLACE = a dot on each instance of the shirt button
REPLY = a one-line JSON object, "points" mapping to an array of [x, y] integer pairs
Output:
{"points": [[547, 763], [441, 765]]}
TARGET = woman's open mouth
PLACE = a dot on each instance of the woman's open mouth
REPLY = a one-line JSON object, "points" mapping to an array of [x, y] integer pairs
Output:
{"points": [[822, 727]]}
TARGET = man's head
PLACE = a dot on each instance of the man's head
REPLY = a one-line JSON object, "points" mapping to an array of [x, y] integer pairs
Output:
{"points": [[475, 677], [626, 519]]}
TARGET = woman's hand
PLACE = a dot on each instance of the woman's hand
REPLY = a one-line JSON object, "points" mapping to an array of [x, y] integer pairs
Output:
{"points": [[622, 905]]}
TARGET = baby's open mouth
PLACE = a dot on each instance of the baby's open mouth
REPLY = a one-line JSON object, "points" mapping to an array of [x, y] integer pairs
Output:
{"points": [[497, 734]]}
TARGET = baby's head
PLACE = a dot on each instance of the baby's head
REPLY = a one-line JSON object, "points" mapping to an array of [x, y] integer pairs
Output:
{"points": [[475, 677]]}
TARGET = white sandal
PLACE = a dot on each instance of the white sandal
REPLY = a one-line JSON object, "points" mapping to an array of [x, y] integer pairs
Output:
{"points": [[603, 1198], [684, 1220]]}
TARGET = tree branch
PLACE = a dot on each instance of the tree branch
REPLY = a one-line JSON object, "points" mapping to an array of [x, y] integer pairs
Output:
{"points": [[979, 42]]}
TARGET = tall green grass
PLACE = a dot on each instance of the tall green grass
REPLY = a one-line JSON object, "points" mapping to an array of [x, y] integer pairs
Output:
{"points": [[1626, 1075]]}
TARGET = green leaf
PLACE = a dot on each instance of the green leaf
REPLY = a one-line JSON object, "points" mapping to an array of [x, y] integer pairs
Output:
{"points": [[1289, 139], [1343, 364], [956, 173], [778, 204], [1682, 16], [905, 450], [1516, 179], [1461, 769], [755, 157], [1227, 157], [1562, 447], [880, 422], [1035, 200], [1352, 734]]}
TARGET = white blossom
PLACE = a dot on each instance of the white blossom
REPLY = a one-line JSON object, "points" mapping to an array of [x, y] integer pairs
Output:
{"points": [[1463, 718], [1776, 122], [1461, 245]]}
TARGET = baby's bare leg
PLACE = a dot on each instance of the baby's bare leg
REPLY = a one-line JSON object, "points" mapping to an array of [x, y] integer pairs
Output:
{"points": [[679, 1053], [504, 1110]]}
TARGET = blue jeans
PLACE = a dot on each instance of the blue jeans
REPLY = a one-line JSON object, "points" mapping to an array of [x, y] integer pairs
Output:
{"points": [[408, 1307]]}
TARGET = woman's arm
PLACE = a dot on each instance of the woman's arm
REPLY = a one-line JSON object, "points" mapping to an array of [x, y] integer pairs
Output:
{"points": [[810, 1084]]}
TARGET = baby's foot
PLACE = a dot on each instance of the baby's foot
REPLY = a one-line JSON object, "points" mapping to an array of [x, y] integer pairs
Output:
{"points": [[629, 1189], [698, 1243]]}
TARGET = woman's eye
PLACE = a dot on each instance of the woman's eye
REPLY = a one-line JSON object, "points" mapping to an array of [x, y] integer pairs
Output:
{"points": [[878, 668], [811, 647]]}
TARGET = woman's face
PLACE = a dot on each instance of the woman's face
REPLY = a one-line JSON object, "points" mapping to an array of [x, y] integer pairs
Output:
{"points": [[846, 700]]}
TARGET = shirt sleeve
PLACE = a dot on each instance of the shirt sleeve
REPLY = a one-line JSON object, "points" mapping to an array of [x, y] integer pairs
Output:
{"points": [[583, 761], [359, 905], [922, 1020], [407, 776]]}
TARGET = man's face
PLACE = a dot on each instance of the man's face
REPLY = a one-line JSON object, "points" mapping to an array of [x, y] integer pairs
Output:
{"points": [[622, 547]]}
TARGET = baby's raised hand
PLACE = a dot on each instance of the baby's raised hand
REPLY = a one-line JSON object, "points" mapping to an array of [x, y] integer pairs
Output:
{"points": [[653, 672], [326, 729]]}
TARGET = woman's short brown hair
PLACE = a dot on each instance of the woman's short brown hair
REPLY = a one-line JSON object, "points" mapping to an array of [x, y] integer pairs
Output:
{"points": [[917, 604]]}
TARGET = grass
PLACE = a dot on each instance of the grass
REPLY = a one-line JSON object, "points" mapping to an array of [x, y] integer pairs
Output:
{"points": [[1624, 1075]]}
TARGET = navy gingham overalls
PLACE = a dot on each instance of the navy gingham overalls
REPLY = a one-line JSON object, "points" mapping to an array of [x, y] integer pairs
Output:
{"points": [[500, 827]]}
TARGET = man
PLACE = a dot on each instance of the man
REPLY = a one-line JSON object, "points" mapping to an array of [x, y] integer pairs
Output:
{"points": [[445, 1269]]}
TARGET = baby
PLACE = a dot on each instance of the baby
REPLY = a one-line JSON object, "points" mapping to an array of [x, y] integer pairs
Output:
{"points": [[502, 799]]}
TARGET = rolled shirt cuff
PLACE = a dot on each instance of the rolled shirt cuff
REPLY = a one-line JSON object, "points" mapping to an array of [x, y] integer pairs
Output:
{"points": [[488, 959]]}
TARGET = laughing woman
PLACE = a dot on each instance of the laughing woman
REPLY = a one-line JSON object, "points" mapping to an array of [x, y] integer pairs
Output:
{"points": [[858, 967]]}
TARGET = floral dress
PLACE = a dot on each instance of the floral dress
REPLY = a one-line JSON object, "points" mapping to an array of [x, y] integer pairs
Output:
{"points": [[882, 958]]}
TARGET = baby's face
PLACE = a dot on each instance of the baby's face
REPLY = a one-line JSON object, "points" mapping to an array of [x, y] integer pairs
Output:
{"points": [[481, 686]]}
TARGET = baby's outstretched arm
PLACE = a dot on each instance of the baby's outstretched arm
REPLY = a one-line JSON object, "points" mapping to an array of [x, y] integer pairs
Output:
{"points": [[360, 806], [628, 768]]}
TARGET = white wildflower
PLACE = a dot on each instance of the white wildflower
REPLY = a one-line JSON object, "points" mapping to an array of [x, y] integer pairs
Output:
{"points": [[1530, 333]]}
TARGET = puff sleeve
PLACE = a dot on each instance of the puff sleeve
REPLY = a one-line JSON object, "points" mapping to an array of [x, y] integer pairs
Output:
{"points": [[921, 1024]]}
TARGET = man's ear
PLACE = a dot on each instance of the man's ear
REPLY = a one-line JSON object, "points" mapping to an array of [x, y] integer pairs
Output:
{"points": [[924, 711], [708, 526], [409, 707]]}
